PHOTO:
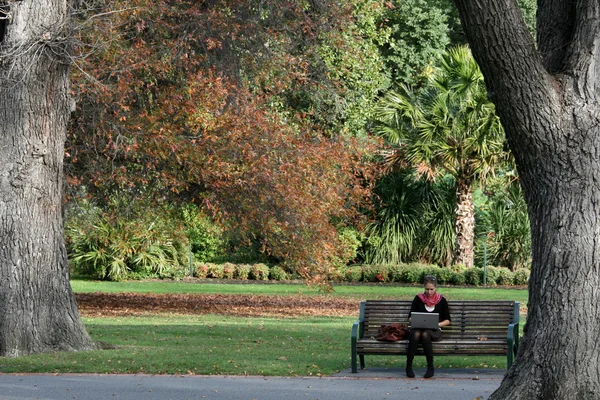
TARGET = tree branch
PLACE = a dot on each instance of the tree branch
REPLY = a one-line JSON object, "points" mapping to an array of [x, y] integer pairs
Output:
{"points": [[501, 44], [554, 31], [581, 55]]}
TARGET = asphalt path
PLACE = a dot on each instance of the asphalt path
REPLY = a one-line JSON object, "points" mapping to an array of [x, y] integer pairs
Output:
{"points": [[374, 384]]}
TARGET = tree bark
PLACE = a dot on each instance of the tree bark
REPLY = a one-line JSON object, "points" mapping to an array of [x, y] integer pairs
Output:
{"points": [[547, 100], [38, 309], [464, 224]]}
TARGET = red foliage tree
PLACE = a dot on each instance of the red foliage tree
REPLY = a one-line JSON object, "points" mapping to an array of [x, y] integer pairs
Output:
{"points": [[181, 102]]}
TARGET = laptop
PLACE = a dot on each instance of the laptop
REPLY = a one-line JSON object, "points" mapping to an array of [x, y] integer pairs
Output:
{"points": [[425, 320]]}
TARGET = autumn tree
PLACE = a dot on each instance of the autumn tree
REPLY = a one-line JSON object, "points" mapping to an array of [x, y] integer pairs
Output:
{"points": [[39, 313], [209, 102], [547, 98]]}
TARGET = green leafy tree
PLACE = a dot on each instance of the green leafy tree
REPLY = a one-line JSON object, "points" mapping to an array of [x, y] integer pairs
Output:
{"points": [[418, 33], [447, 127]]}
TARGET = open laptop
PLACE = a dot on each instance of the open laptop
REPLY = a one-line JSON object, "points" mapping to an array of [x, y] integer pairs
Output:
{"points": [[424, 320]]}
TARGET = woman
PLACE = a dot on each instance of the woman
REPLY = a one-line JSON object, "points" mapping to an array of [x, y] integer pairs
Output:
{"points": [[429, 301]]}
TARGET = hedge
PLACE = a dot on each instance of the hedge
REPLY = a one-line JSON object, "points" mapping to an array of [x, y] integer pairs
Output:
{"points": [[412, 273]]}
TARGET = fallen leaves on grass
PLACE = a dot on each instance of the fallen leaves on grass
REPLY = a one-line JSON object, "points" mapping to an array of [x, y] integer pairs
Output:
{"points": [[128, 304]]}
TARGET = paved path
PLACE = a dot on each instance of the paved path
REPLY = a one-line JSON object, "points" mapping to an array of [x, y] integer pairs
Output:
{"points": [[370, 384]]}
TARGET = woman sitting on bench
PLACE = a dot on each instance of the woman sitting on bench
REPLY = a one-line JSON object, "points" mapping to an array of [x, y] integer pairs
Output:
{"points": [[433, 302]]}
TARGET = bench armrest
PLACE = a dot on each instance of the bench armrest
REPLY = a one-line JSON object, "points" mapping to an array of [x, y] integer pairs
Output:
{"points": [[512, 339], [357, 332]]}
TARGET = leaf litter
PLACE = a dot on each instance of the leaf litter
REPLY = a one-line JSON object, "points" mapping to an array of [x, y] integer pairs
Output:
{"points": [[135, 304]]}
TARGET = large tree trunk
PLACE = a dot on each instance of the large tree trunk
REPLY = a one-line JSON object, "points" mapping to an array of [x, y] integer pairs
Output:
{"points": [[465, 223], [548, 103], [38, 309]]}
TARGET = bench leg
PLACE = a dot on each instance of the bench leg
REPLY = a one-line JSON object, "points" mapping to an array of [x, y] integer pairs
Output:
{"points": [[362, 361]]}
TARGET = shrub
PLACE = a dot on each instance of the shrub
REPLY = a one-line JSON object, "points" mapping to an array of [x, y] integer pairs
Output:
{"points": [[242, 271], [215, 271], [505, 277], [354, 273], [337, 274], [205, 237], [228, 270], [375, 273], [473, 276], [521, 276], [395, 273], [445, 275], [259, 272], [200, 270], [107, 245], [458, 278], [277, 273], [491, 275], [435, 271], [458, 268], [350, 241], [414, 273]]}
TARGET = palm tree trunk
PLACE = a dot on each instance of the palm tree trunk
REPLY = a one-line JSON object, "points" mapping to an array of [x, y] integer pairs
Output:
{"points": [[465, 223]]}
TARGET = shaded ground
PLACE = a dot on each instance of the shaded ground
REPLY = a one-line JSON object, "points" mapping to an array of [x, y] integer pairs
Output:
{"points": [[128, 304]]}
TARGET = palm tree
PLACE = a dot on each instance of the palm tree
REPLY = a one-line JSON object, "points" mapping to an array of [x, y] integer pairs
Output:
{"points": [[447, 127], [414, 220]]}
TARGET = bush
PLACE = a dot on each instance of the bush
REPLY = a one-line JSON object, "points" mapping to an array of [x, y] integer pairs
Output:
{"points": [[505, 277], [228, 270], [473, 276], [216, 271], [435, 271], [106, 245], [414, 273], [445, 275], [200, 270], [354, 273], [491, 275], [277, 273], [458, 268], [521, 276], [337, 274], [458, 278], [205, 237], [350, 241], [395, 273], [375, 273], [242, 271], [259, 272]]}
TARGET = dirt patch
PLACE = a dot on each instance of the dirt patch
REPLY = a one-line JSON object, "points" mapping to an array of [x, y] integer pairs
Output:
{"points": [[131, 304]]}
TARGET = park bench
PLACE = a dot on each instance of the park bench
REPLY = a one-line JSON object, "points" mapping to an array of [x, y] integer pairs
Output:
{"points": [[478, 328]]}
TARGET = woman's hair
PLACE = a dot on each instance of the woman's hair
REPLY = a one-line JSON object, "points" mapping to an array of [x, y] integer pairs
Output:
{"points": [[430, 279]]}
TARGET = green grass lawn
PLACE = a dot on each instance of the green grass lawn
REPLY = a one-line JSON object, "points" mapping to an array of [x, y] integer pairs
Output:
{"points": [[226, 345]]}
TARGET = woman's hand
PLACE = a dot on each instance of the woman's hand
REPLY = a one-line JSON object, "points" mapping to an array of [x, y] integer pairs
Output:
{"points": [[445, 322]]}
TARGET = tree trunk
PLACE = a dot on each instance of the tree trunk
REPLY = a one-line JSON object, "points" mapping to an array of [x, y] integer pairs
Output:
{"points": [[39, 312], [464, 224], [547, 100]]}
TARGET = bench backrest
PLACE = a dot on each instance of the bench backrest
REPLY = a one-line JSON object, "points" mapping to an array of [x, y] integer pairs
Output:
{"points": [[477, 320]]}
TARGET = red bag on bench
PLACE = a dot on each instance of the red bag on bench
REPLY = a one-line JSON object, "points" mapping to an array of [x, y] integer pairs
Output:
{"points": [[392, 332]]}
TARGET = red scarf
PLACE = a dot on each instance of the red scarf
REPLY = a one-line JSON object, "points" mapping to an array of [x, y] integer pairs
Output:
{"points": [[430, 301]]}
